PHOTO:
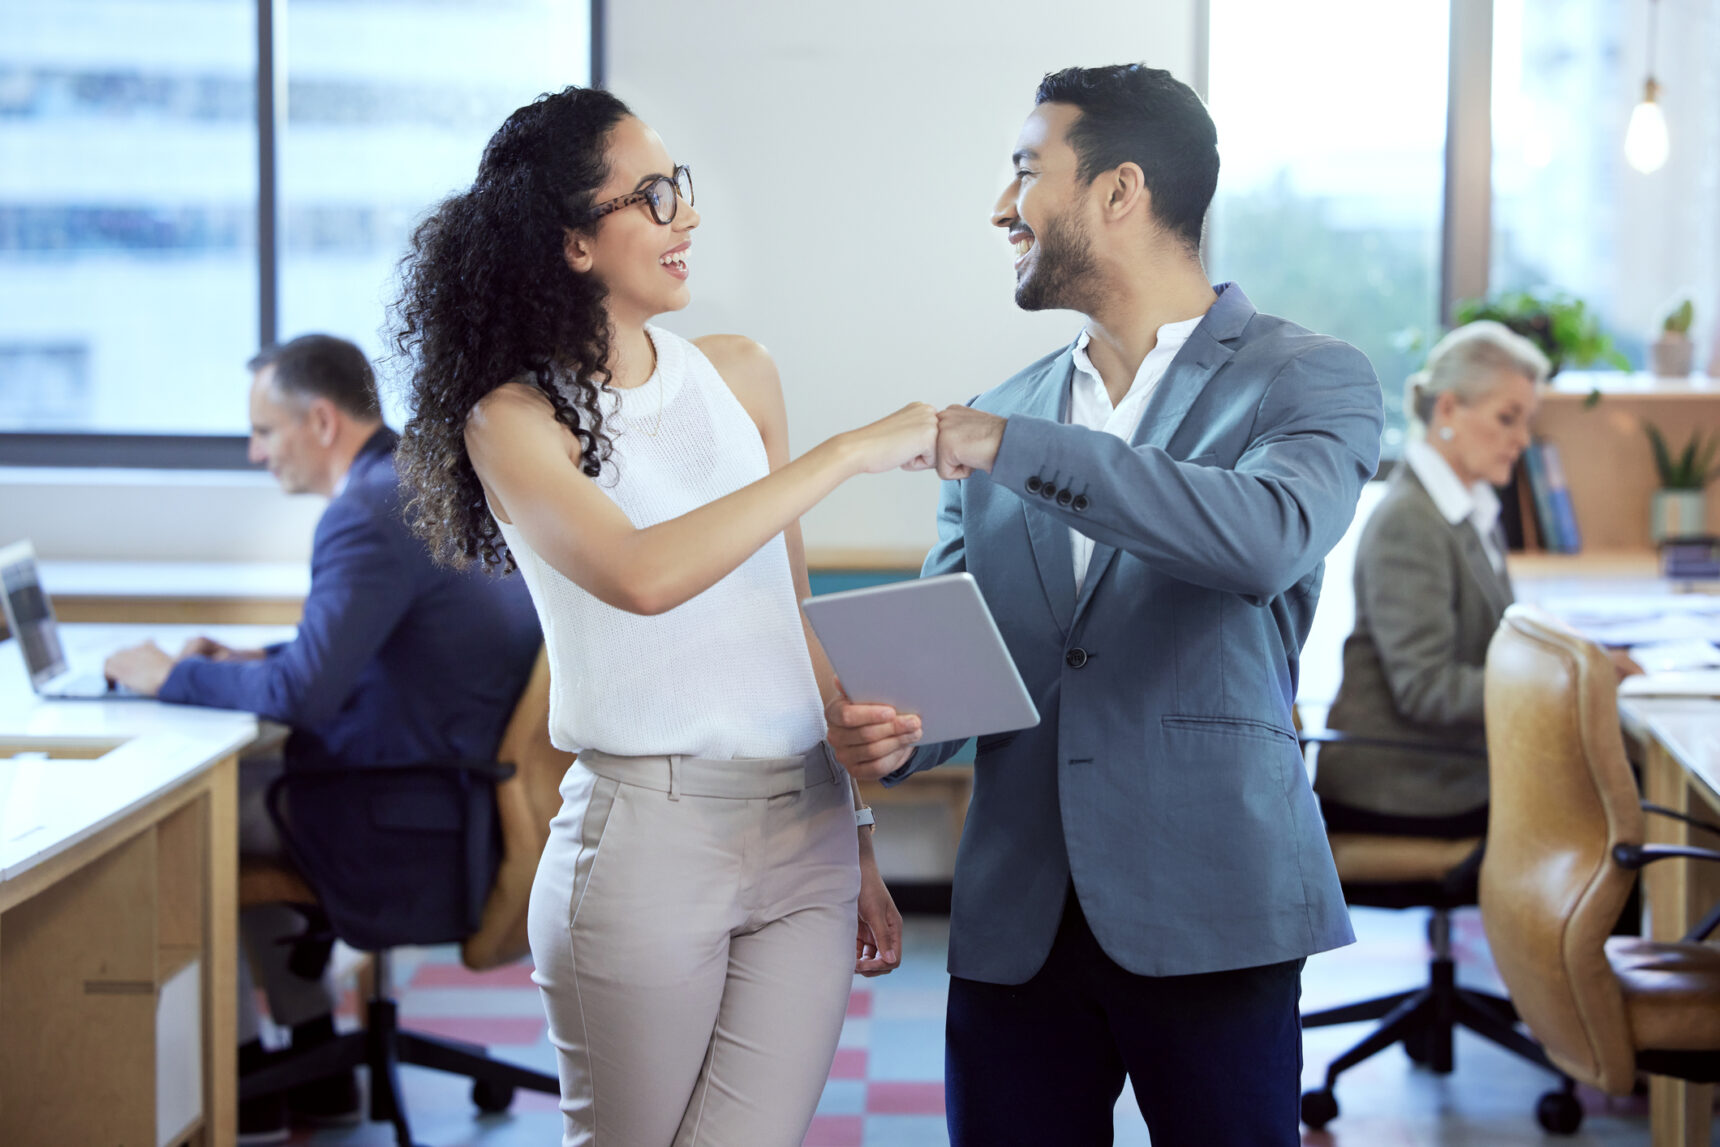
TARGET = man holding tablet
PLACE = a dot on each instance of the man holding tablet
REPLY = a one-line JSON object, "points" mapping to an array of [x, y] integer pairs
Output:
{"points": [[1147, 512]]}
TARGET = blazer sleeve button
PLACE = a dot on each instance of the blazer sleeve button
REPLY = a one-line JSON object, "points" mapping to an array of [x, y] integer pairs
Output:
{"points": [[1033, 484], [1080, 503], [1049, 490], [1064, 497]]}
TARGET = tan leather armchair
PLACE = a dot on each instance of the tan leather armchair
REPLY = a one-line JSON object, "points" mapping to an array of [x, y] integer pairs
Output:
{"points": [[1383, 871], [1566, 838], [525, 802]]}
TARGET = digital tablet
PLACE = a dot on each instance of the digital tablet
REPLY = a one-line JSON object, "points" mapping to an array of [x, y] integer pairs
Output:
{"points": [[927, 647]]}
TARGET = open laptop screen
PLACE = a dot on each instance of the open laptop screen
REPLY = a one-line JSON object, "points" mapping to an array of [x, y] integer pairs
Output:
{"points": [[30, 616]]}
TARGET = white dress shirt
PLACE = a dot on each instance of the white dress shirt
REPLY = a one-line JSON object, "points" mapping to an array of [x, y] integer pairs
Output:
{"points": [[1455, 501], [1090, 405]]}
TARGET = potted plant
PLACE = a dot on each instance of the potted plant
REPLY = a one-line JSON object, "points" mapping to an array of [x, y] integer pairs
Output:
{"points": [[1680, 509], [1672, 352], [1559, 324]]}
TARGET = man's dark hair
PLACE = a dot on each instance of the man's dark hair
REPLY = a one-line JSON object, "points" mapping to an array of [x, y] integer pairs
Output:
{"points": [[322, 366], [1131, 113]]}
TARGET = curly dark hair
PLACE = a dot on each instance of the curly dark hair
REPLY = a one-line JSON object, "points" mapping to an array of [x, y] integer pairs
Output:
{"points": [[487, 298]]}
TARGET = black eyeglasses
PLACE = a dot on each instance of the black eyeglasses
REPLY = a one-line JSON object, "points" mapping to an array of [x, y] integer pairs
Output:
{"points": [[664, 193]]}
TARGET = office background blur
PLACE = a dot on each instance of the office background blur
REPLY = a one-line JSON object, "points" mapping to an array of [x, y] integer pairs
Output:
{"points": [[1379, 161]]}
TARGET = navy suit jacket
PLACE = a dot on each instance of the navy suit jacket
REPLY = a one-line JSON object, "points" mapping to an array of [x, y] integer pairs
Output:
{"points": [[396, 659], [1164, 778]]}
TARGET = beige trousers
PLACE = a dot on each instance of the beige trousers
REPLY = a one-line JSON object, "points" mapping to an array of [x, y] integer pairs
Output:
{"points": [[692, 924]]}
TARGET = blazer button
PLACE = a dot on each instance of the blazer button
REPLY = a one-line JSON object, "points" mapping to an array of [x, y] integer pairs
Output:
{"points": [[1064, 497], [1033, 484], [1048, 491], [1075, 658], [1080, 503]]}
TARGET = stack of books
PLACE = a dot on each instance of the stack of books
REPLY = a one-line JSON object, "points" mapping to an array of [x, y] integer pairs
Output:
{"points": [[1549, 522]]}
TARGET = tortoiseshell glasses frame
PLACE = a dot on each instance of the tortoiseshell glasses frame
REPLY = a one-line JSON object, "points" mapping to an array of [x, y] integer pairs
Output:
{"points": [[656, 191]]}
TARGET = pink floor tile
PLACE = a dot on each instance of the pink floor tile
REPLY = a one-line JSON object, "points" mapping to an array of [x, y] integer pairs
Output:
{"points": [[536, 1101], [904, 1098], [860, 1004], [508, 1031], [835, 1131], [850, 1063], [458, 976]]}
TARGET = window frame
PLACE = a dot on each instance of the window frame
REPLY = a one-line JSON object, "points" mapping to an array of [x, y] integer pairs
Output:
{"points": [[79, 450]]}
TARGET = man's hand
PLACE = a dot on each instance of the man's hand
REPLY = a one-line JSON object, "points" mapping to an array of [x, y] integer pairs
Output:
{"points": [[967, 440], [870, 741], [213, 650], [878, 941], [142, 668]]}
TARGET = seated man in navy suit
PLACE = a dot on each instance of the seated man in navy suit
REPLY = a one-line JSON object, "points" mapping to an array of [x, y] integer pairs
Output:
{"points": [[395, 660]]}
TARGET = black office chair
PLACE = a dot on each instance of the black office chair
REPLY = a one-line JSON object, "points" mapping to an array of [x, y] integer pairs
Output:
{"points": [[391, 856], [1398, 872]]}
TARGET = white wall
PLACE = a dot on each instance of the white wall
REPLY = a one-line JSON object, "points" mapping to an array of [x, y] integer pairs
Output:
{"points": [[846, 159]]}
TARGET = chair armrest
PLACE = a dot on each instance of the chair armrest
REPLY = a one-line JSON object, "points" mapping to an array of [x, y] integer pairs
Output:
{"points": [[1339, 737], [1638, 856], [1694, 822]]}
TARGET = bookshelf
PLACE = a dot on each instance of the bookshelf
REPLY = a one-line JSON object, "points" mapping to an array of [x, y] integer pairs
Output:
{"points": [[1606, 454]]}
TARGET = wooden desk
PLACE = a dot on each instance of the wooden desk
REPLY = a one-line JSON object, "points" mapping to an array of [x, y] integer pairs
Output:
{"points": [[118, 914], [1681, 739], [226, 593], [273, 593]]}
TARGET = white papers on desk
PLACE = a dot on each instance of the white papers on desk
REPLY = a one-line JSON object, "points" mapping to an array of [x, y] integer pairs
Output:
{"points": [[1641, 619], [1676, 656], [1694, 683]]}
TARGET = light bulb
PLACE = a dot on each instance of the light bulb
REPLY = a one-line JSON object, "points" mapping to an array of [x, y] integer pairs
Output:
{"points": [[1645, 141]]}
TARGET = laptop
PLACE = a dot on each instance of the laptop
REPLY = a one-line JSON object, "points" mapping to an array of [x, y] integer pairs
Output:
{"points": [[30, 617]]}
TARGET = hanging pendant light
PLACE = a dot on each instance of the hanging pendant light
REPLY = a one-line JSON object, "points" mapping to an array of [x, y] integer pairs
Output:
{"points": [[1645, 141]]}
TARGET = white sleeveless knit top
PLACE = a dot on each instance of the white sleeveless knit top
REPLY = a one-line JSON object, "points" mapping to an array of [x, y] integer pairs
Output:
{"points": [[724, 675]]}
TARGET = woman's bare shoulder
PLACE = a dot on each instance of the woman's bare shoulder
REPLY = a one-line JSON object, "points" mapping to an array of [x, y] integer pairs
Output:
{"points": [[743, 362], [516, 412], [751, 375]]}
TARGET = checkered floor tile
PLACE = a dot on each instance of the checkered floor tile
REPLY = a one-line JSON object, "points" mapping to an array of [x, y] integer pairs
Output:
{"points": [[886, 1090]]}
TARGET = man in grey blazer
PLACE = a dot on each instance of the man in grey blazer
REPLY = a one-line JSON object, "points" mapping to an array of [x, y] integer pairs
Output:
{"points": [[1147, 512]]}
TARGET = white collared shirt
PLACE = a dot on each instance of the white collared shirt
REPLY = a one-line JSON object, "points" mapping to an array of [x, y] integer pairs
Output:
{"points": [[1090, 405], [1455, 501]]}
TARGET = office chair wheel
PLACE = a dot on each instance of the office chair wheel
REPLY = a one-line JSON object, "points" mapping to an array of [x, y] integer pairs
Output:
{"points": [[1319, 1108], [1558, 1112], [1416, 1045], [492, 1098]]}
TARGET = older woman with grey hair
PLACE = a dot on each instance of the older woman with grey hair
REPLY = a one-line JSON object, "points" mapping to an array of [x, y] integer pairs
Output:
{"points": [[1430, 587]]}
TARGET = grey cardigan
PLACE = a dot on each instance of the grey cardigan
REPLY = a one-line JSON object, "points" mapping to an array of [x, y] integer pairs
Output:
{"points": [[1427, 603]]}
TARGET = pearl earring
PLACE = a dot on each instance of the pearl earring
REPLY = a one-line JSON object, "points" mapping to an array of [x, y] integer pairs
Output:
{"points": [[1446, 434]]}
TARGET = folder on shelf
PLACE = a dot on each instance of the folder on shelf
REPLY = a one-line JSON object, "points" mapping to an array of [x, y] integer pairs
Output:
{"points": [[1541, 495], [1559, 496]]}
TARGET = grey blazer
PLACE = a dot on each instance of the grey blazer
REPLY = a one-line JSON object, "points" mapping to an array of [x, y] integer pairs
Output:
{"points": [[1164, 776], [1427, 603]]}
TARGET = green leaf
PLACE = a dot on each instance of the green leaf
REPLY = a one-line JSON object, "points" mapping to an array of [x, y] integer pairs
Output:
{"points": [[1662, 458]]}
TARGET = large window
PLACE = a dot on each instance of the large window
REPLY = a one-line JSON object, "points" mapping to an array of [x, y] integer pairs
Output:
{"points": [[389, 105], [1331, 129], [128, 213], [130, 267], [1569, 213]]}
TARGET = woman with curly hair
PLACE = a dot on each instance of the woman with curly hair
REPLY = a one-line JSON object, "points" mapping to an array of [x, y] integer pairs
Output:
{"points": [[693, 912]]}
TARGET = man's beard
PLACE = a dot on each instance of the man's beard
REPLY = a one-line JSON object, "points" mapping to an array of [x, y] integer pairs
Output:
{"points": [[1062, 275]]}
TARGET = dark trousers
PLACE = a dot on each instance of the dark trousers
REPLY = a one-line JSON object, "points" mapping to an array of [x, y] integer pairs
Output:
{"points": [[1215, 1059]]}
